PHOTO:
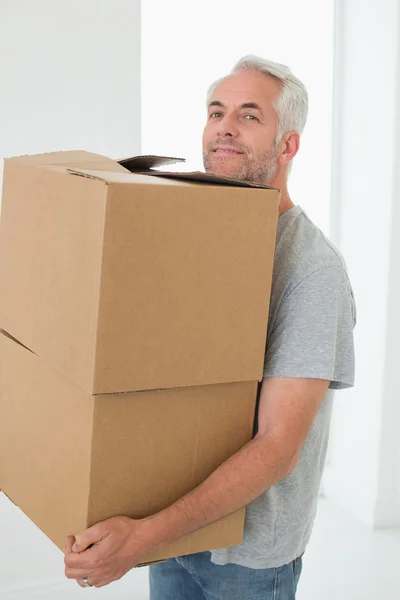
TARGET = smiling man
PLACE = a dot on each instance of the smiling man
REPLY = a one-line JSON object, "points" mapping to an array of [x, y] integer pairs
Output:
{"points": [[255, 118]]}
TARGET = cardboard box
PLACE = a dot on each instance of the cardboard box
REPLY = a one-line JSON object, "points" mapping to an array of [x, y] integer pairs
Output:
{"points": [[129, 282], [70, 459], [136, 305]]}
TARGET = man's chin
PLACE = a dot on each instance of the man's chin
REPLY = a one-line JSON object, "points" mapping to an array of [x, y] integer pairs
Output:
{"points": [[224, 169]]}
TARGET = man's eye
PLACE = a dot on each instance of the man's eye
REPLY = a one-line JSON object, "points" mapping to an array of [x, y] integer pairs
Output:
{"points": [[215, 115], [250, 117]]}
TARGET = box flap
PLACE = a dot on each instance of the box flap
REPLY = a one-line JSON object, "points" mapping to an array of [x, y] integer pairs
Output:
{"points": [[146, 162], [75, 158], [199, 176]]}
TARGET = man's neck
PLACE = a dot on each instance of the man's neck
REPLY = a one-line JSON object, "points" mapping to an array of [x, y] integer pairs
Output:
{"points": [[280, 182], [285, 203]]}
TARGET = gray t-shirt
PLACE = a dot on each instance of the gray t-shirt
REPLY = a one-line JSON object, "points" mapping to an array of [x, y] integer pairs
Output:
{"points": [[310, 335]]}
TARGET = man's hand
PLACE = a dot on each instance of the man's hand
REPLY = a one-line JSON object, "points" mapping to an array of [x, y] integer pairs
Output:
{"points": [[105, 552]]}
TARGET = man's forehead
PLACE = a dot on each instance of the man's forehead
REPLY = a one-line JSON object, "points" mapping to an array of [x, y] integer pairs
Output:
{"points": [[247, 87]]}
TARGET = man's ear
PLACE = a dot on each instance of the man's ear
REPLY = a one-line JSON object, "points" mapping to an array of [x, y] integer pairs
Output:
{"points": [[288, 147]]}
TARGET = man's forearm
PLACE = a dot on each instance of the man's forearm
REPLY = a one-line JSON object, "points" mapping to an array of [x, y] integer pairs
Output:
{"points": [[236, 483]]}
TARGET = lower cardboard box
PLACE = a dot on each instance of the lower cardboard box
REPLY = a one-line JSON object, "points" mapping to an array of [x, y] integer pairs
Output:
{"points": [[69, 459]]}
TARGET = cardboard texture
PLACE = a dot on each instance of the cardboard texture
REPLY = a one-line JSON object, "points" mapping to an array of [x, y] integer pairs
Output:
{"points": [[70, 459], [133, 309], [130, 282]]}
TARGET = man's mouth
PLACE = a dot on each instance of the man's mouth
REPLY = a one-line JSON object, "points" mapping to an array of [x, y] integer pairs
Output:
{"points": [[226, 150]]}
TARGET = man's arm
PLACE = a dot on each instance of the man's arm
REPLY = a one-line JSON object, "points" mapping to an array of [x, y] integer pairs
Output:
{"points": [[287, 409]]}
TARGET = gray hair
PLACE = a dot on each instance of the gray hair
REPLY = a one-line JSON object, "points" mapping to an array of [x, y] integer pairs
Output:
{"points": [[292, 104]]}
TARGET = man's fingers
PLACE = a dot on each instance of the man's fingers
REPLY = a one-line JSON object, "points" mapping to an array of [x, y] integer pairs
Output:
{"points": [[84, 561], [77, 574], [69, 542]]}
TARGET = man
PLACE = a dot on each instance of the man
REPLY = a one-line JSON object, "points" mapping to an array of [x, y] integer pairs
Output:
{"points": [[255, 118]]}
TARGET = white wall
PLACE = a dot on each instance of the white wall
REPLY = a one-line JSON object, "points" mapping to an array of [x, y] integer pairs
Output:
{"points": [[188, 45], [364, 468], [70, 78]]}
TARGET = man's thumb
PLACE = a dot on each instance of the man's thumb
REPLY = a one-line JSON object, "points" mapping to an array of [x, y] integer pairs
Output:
{"points": [[85, 540], [68, 544]]}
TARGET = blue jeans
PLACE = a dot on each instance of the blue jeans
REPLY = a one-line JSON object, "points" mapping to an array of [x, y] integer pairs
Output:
{"points": [[195, 577]]}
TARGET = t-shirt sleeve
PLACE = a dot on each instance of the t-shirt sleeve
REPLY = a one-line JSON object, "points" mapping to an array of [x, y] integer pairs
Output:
{"points": [[312, 336]]}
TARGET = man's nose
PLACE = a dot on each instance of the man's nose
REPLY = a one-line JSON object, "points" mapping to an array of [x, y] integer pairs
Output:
{"points": [[227, 126]]}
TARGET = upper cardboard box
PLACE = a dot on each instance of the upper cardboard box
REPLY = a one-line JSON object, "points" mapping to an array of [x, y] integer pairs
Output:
{"points": [[128, 282]]}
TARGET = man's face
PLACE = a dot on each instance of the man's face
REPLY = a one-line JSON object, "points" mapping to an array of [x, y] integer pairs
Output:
{"points": [[242, 125]]}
